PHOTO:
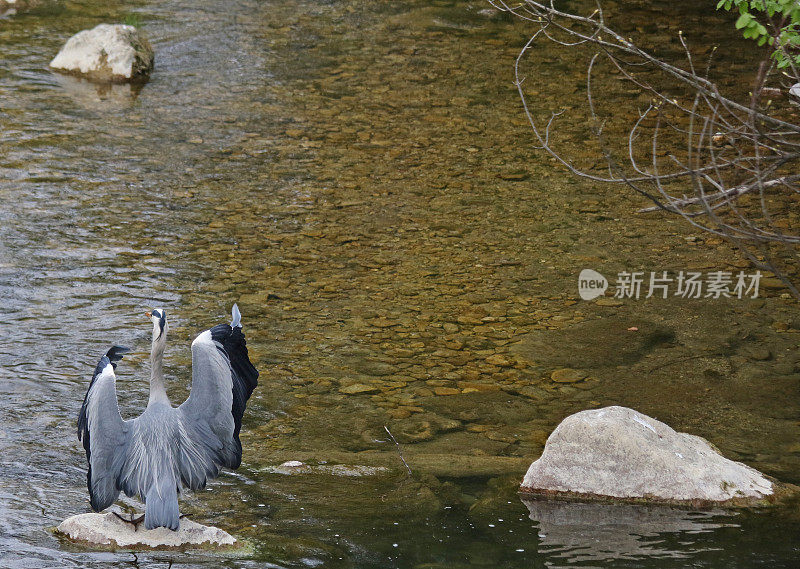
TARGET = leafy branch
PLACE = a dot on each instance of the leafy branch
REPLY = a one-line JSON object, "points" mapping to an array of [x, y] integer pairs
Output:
{"points": [[772, 22]]}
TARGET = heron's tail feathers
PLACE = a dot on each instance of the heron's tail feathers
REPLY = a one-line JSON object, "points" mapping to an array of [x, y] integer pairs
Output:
{"points": [[161, 505]]}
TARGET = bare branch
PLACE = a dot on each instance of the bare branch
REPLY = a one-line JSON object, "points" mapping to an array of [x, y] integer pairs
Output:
{"points": [[692, 151]]}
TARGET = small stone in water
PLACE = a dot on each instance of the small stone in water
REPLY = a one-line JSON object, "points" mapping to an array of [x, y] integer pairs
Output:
{"points": [[759, 353], [499, 360], [602, 301], [357, 388], [519, 175], [568, 375]]}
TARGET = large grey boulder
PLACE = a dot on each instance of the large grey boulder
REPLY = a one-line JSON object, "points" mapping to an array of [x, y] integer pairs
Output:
{"points": [[619, 453], [108, 52], [108, 531]]}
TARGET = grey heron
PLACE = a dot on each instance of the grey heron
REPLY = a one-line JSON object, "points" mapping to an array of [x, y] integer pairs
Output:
{"points": [[167, 447]]}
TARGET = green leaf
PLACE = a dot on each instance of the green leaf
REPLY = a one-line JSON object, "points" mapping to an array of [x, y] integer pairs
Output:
{"points": [[743, 20]]}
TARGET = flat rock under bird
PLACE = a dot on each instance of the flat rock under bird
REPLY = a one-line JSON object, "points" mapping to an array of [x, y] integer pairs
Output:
{"points": [[167, 447]]}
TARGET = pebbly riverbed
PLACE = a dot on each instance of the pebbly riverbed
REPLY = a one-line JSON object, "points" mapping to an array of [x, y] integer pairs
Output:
{"points": [[360, 179]]}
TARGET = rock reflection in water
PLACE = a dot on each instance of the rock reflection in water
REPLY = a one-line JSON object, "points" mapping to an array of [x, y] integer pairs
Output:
{"points": [[586, 532], [89, 94]]}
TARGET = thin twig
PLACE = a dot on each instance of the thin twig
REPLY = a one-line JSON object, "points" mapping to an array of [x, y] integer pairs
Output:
{"points": [[723, 194], [399, 450], [691, 139]]}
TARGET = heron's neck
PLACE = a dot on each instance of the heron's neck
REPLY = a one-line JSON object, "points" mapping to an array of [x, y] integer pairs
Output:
{"points": [[157, 390]]}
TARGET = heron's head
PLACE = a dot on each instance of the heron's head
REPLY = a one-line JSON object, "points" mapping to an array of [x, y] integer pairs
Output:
{"points": [[159, 318]]}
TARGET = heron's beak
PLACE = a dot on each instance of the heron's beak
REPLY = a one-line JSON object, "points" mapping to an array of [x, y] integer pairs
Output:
{"points": [[148, 314]]}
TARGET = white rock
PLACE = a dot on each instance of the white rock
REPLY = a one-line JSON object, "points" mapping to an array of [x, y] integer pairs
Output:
{"points": [[110, 531], [617, 452], [106, 53]]}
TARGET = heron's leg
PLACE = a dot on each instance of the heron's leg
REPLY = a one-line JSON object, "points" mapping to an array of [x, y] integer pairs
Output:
{"points": [[134, 521]]}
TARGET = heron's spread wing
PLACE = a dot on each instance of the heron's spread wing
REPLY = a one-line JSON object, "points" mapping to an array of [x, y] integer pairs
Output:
{"points": [[104, 434], [210, 419]]}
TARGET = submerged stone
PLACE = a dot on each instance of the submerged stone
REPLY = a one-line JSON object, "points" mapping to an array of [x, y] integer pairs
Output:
{"points": [[108, 52], [108, 531], [358, 389], [619, 453], [568, 375]]}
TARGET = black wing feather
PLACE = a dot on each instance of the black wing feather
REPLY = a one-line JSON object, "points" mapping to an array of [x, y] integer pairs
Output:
{"points": [[232, 344]]}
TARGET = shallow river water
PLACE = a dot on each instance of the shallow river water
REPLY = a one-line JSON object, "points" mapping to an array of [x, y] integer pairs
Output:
{"points": [[359, 177]]}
